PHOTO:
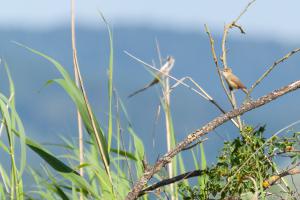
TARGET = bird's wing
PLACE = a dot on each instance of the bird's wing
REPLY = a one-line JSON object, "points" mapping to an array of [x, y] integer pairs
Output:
{"points": [[238, 82]]}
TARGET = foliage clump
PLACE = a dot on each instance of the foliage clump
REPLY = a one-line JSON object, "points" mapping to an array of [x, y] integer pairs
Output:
{"points": [[245, 166]]}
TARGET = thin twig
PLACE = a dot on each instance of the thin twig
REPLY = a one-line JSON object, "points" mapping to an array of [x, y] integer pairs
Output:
{"points": [[204, 94], [193, 145], [181, 82], [273, 179], [267, 183], [155, 125], [224, 51], [244, 11], [163, 161], [273, 165], [235, 106], [172, 180], [271, 68], [212, 46], [117, 99]]}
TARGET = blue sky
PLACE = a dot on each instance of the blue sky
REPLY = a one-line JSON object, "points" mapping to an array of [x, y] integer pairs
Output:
{"points": [[266, 18]]}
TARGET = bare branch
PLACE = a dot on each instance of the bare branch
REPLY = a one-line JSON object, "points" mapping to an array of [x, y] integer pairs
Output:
{"points": [[239, 27], [234, 107], [244, 11], [271, 68], [163, 161], [224, 53], [273, 179], [205, 95], [267, 183], [193, 145], [173, 180], [212, 42]]}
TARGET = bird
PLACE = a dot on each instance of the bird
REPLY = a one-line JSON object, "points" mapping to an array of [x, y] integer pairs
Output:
{"points": [[233, 81], [165, 69]]}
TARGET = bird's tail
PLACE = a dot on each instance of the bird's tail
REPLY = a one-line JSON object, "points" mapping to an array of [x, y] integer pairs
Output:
{"points": [[144, 88], [245, 90]]}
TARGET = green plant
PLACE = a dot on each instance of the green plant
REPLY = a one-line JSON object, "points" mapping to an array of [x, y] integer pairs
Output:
{"points": [[235, 175]]}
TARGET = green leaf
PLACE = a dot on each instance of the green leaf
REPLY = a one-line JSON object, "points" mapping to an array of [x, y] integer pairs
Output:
{"points": [[60, 192], [47, 156], [78, 99], [16, 121], [139, 151], [110, 81], [124, 153]]}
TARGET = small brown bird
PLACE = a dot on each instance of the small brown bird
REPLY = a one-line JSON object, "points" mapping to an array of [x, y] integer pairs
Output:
{"points": [[165, 69], [233, 81]]}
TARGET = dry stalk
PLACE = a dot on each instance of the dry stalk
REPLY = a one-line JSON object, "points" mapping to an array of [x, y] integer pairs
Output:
{"points": [[81, 86], [166, 92], [204, 94], [79, 120]]}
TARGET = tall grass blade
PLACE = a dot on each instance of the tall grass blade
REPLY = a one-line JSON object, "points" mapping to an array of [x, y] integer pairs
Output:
{"points": [[17, 123], [203, 179], [110, 81], [139, 151]]}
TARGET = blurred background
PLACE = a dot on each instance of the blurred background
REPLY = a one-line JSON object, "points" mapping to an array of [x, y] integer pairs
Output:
{"points": [[272, 30]]}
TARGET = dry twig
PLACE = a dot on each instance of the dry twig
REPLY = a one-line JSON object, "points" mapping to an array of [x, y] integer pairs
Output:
{"points": [[224, 53], [271, 68], [212, 42], [273, 179], [172, 180], [75, 64], [193, 145], [267, 183]]}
